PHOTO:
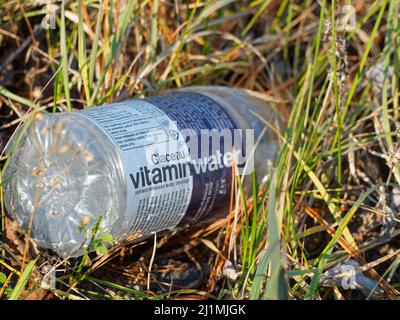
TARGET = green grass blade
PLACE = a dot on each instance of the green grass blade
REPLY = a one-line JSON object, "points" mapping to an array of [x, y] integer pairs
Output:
{"points": [[154, 36], [276, 288], [324, 256], [8, 94], [260, 276], [114, 46], [253, 20]]}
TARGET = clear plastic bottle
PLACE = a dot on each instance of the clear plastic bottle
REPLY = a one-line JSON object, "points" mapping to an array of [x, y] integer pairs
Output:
{"points": [[130, 163]]}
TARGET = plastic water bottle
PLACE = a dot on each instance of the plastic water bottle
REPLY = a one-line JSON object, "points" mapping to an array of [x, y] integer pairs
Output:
{"points": [[142, 165]]}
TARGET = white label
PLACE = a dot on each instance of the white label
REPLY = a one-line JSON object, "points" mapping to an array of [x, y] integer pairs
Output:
{"points": [[154, 157]]}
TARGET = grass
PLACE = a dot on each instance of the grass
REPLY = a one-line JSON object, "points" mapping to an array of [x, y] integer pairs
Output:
{"points": [[332, 191]]}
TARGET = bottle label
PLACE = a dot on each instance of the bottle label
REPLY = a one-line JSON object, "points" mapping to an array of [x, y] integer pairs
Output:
{"points": [[169, 176]]}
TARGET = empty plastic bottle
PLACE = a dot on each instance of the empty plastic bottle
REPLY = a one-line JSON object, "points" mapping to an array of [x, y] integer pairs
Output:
{"points": [[143, 165]]}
